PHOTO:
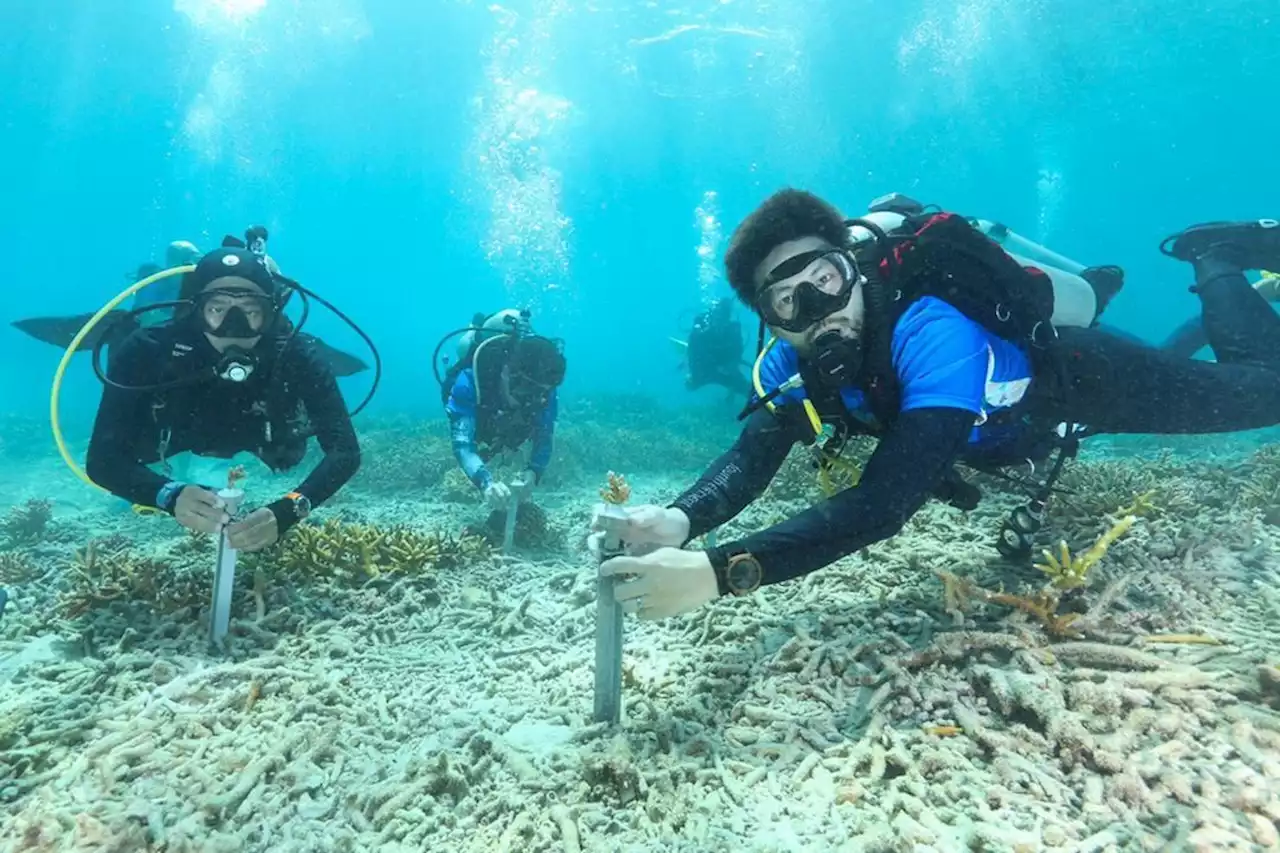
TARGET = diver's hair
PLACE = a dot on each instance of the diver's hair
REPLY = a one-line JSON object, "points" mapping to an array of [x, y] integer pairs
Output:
{"points": [[788, 214]]}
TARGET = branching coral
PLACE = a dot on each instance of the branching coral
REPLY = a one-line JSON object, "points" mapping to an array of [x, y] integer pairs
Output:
{"points": [[533, 530], [28, 523], [16, 567], [104, 573], [1067, 572], [617, 491], [359, 552]]}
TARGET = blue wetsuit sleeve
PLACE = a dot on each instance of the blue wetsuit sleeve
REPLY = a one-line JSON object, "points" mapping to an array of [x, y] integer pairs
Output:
{"points": [[113, 459], [461, 408], [907, 465], [543, 438], [739, 476]]}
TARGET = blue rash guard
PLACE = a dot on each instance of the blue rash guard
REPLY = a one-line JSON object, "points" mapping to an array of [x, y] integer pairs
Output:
{"points": [[953, 376], [943, 360], [465, 429]]}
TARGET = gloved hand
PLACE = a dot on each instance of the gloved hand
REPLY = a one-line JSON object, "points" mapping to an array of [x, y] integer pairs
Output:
{"points": [[255, 531], [200, 510], [666, 582], [648, 527], [496, 495]]}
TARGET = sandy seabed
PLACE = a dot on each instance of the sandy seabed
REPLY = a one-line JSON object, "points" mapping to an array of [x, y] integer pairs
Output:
{"points": [[857, 709]]}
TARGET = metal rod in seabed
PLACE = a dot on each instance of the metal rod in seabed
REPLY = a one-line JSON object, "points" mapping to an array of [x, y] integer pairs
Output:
{"points": [[608, 674], [509, 530], [224, 574]]}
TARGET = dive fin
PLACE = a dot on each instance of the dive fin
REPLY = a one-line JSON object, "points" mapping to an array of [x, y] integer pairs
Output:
{"points": [[61, 331], [341, 363]]}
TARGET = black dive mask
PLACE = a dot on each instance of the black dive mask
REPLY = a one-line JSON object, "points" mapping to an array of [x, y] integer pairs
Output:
{"points": [[837, 358], [236, 364], [230, 308], [235, 324], [796, 305]]}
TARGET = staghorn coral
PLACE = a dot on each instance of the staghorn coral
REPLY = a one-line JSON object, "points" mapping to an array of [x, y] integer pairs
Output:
{"points": [[1261, 489], [358, 552], [1067, 572], [28, 523], [104, 573], [16, 567]]}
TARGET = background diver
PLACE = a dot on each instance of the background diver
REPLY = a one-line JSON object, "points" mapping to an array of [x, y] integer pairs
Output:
{"points": [[119, 324], [228, 375], [714, 352], [934, 384], [500, 394]]}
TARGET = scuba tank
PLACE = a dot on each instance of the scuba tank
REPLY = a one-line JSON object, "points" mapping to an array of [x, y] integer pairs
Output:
{"points": [[1075, 302], [1015, 244]]}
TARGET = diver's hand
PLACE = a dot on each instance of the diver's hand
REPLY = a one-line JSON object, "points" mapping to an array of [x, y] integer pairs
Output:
{"points": [[255, 531], [200, 510], [647, 527], [666, 582], [497, 495]]}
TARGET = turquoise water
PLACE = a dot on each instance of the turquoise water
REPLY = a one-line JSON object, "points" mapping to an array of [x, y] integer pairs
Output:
{"points": [[419, 162]]}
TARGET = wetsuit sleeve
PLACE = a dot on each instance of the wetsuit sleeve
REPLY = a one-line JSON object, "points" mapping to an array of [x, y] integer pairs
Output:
{"points": [[327, 411], [461, 409], [112, 460], [543, 438], [907, 465], [739, 476]]}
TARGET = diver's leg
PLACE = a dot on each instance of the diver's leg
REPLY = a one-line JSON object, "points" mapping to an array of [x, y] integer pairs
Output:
{"points": [[1113, 385], [1238, 322], [1186, 340], [1240, 326]]}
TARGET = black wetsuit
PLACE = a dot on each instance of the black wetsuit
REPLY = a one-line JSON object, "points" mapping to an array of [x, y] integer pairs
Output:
{"points": [[1110, 384], [291, 395]]}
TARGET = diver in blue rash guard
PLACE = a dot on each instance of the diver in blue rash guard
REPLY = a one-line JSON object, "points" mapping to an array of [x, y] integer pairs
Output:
{"points": [[940, 345], [500, 395]]}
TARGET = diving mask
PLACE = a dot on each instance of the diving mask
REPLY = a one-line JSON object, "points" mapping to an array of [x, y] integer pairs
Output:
{"points": [[794, 304], [235, 312]]}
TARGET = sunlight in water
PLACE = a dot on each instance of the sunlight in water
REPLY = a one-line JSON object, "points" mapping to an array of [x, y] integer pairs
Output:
{"points": [[710, 236], [202, 12], [516, 130]]}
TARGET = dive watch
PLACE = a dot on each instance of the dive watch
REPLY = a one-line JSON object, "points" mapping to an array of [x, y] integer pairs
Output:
{"points": [[737, 574]]}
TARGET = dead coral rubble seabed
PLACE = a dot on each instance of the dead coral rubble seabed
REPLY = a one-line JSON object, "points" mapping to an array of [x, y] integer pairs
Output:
{"points": [[848, 711]]}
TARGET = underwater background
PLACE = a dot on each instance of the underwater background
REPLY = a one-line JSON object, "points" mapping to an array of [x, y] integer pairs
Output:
{"points": [[395, 679], [418, 162]]}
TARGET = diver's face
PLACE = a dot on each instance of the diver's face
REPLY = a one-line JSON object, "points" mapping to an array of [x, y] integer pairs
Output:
{"points": [[221, 300], [782, 300]]}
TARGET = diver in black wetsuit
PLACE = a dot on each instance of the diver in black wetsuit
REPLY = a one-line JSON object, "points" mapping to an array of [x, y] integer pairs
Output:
{"points": [[935, 385], [714, 352], [228, 375]]}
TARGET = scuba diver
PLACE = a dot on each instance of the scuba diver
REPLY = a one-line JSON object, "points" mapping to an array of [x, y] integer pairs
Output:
{"points": [[230, 373], [499, 394], [929, 336], [119, 324], [714, 350]]}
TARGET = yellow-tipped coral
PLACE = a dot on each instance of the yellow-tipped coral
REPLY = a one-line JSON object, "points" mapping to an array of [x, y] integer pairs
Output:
{"points": [[1067, 572], [617, 491]]}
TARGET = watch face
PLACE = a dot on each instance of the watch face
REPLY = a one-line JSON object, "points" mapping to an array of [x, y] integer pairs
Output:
{"points": [[744, 574], [301, 506]]}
